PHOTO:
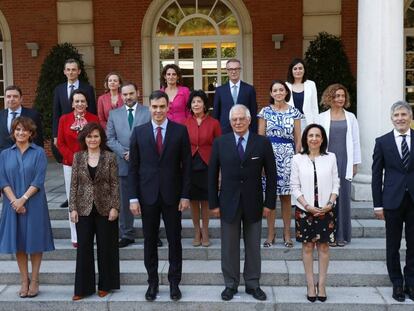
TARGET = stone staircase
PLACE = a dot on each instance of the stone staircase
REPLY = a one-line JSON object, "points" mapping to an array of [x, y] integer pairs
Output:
{"points": [[357, 277]]}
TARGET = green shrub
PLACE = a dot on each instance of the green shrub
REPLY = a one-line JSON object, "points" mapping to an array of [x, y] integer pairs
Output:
{"points": [[51, 75], [327, 63]]}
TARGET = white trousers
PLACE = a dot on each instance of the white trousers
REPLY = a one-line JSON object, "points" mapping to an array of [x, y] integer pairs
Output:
{"points": [[67, 173]]}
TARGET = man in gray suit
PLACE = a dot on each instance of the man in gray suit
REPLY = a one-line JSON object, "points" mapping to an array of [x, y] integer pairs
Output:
{"points": [[120, 124]]}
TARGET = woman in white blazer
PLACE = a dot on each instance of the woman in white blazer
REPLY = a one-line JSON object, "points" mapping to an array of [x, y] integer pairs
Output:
{"points": [[342, 131], [315, 184], [304, 95]]}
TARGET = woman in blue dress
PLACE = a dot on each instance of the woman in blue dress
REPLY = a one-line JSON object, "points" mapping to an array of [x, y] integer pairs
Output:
{"points": [[25, 225], [280, 122]]}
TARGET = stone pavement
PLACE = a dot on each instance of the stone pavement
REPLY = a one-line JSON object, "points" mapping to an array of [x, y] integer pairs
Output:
{"points": [[357, 273]]}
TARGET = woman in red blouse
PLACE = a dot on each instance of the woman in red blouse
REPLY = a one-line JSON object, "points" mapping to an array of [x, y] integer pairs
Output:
{"points": [[202, 130], [70, 125], [178, 94], [111, 99]]}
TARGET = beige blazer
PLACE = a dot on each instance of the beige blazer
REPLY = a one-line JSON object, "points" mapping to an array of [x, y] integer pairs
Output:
{"points": [[103, 190], [302, 178]]}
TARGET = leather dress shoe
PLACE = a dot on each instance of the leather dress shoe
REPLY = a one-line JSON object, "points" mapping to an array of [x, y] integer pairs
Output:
{"points": [[175, 293], [159, 242], [257, 293], [228, 293], [151, 293], [124, 242], [409, 290], [64, 204], [398, 293], [102, 293]]}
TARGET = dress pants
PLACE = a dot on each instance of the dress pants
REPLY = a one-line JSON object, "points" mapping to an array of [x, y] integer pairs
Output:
{"points": [[230, 251], [394, 220], [67, 174], [150, 225], [126, 219], [107, 250]]}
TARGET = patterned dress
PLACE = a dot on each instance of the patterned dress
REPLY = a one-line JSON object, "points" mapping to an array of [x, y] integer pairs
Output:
{"points": [[280, 130]]}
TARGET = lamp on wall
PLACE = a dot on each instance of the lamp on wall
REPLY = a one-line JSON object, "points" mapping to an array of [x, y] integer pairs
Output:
{"points": [[277, 39], [33, 47], [116, 44]]}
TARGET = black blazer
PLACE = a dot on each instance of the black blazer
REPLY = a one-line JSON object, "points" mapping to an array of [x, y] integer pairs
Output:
{"points": [[386, 158], [241, 181], [61, 104], [223, 101], [151, 175], [5, 139]]}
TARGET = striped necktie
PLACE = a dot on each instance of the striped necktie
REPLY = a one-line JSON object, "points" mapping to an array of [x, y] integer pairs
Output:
{"points": [[404, 151]]}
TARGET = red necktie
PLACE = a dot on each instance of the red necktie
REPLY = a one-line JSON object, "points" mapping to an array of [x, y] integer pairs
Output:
{"points": [[159, 140]]}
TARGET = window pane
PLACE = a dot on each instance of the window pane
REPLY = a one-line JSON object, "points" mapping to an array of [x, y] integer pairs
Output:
{"points": [[204, 6], [224, 79], [187, 67], [166, 51], [228, 50], [209, 83], [209, 50], [197, 27], [229, 26], [409, 78], [189, 82], [409, 96], [185, 51], [165, 29], [409, 61], [220, 12], [188, 6], [1, 73], [209, 67], [409, 19], [173, 13]]}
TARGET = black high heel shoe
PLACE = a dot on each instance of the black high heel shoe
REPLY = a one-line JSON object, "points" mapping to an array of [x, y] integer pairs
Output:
{"points": [[311, 298], [321, 298]]}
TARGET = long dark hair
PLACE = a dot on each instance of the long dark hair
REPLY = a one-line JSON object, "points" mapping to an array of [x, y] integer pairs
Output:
{"points": [[294, 62], [305, 146]]}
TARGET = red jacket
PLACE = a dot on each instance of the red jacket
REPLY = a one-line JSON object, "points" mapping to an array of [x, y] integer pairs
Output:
{"points": [[202, 137], [67, 140]]}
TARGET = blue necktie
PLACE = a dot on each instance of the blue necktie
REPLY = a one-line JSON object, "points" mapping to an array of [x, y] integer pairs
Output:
{"points": [[405, 152], [240, 148], [234, 94], [14, 113]]}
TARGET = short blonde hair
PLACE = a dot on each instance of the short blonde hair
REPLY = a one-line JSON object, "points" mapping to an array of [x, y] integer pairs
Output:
{"points": [[328, 95]]}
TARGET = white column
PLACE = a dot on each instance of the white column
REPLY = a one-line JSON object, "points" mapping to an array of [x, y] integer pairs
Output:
{"points": [[380, 78]]}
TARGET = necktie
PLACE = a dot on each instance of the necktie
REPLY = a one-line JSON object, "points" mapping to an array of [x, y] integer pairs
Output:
{"points": [[72, 88], [159, 140], [234, 94], [14, 113], [240, 148], [405, 152], [130, 117]]}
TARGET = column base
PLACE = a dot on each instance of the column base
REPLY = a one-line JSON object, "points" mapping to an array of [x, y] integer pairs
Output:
{"points": [[361, 188]]}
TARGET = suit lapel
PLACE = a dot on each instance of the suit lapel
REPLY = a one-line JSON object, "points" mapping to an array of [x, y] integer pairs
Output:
{"points": [[167, 138], [249, 147], [3, 120], [150, 133], [241, 93], [394, 148]]}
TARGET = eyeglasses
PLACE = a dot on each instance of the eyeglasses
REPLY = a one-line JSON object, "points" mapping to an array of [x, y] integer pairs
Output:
{"points": [[233, 69], [242, 119]]}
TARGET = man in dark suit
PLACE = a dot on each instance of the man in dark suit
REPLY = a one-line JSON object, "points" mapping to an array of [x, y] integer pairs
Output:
{"points": [[159, 184], [13, 99], [394, 196], [234, 92], [241, 156], [120, 124], [61, 104]]}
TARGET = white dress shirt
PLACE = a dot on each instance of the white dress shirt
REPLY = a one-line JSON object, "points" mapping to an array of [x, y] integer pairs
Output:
{"points": [[398, 140]]}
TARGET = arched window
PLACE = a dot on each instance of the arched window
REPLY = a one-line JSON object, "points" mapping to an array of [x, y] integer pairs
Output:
{"points": [[199, 36]]}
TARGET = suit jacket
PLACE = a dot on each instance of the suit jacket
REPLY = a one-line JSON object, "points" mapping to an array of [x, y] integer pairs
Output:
{"points": [[241, 180], [67, 140], [310, 101], [61, 104], [118, 132], [103, 190], [386, 158], [223, 101], [167, 175], [5, 139]]}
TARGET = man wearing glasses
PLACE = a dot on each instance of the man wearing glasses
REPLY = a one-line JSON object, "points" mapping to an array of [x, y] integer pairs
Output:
{"points": [[234, 92]]}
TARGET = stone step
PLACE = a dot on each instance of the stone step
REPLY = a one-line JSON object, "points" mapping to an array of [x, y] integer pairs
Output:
{"points": [[361, 228], [360, 249], [204, 298], [208, 272], [359, 210]]}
